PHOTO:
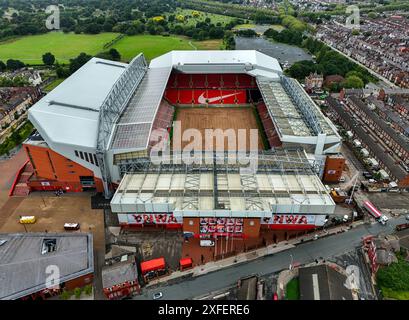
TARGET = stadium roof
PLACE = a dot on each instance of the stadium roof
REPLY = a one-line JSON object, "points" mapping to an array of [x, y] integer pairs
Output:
{"points": [[167, 192], [23, 264], [69, 113], [219, 61], [134, 126]]}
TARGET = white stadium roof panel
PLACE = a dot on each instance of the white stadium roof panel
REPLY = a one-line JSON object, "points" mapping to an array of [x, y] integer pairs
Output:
{"points": [[289, 194], [69, 113], [220, 59]]}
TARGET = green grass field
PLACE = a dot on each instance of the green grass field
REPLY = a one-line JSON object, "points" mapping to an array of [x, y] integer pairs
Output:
{"points": [[65, 46], [153, 46], [53, 84], [30, 49], [215, 18], [292, 292]]}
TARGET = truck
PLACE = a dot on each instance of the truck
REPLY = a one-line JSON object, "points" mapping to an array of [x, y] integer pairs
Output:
{"points": [[374, 212]]}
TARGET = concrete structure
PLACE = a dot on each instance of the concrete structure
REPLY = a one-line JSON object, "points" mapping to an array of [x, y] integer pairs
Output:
{"points": [[29, 260]]}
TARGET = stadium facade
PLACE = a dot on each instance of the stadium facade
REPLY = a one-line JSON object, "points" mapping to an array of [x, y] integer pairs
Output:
{"points": [[96, 131]]}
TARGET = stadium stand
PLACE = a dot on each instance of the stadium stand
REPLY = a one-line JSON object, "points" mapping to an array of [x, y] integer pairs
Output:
{"points": [[268, 125], [163, 120]]}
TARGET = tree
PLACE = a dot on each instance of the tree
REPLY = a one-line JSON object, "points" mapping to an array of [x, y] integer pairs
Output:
{"points": [[353, 82], [93, 28], [78, 62], [2, 66], [48, 59], [116, 56], [14, 64]]}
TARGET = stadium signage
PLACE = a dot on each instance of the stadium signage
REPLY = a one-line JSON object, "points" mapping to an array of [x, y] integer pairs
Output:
{"points": [[294, 219], [158, 218]]}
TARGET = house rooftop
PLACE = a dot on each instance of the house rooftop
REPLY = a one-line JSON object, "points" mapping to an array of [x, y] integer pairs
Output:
{"points": [[24, 258]]}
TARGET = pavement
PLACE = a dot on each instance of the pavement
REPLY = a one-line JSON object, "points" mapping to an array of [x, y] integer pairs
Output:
{"points": [[224, 276]]}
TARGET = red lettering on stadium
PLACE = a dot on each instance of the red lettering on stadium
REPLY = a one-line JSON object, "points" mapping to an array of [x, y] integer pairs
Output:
{"points": [[286, 219], [161, 218]]}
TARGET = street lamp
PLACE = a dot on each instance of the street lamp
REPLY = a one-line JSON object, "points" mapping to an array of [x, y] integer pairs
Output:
{"points": [[291, 263]]}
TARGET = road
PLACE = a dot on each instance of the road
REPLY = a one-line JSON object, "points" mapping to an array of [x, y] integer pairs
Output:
{"points": [[326, 248]]}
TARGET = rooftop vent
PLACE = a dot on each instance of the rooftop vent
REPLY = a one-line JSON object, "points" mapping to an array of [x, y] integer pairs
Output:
{"points": [[49, 246]]}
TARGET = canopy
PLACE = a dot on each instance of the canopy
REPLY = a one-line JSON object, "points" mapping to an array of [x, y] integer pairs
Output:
{"points": [[152, 265], [186, 262]]}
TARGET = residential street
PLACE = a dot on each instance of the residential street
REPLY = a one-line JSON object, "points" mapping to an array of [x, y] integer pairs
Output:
{"points": [[326, 248]]}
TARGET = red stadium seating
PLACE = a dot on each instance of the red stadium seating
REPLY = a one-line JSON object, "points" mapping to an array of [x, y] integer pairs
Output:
{"points": [[163, 120], [213, 80], [172, 95], [204, 96], [172, 81], [198, 80], [196, 88], [268, 125], [185, 96], [229, 81], [183, 81], [245, 81]]}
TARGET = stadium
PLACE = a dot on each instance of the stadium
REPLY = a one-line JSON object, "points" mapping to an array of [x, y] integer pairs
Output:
{"points": [[97, 129]]}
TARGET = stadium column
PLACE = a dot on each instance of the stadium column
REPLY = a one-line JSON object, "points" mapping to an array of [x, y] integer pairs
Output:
{"points": [[319, 148]]}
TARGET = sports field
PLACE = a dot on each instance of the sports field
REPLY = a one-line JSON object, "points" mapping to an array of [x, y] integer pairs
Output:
{"points": [[154, 46], [64, 46], [219, 118], [30, 49]]}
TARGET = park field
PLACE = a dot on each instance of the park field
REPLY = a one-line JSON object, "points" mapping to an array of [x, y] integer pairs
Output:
{"points": [[154, 46], [30, 49], [63, 46], [191, 21]]}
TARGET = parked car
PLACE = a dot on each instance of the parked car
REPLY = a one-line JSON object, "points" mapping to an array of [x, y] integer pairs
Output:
{"points": [[342, 179], [27, 219], [407, 217], [71, 226], [157, 295]]}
